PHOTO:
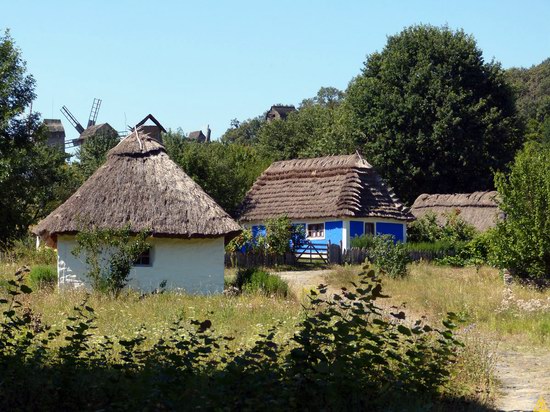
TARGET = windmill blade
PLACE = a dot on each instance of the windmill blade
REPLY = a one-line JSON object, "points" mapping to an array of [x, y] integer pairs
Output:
{"points": [[94, 111], [72, 120]]}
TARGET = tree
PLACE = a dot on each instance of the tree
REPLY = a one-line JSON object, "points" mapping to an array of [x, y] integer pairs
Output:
{"points": [[29, 170], [243, 132], [431, 115], [311, 131], [224, 171], [522, 239], [532, 89], [93, 152]]}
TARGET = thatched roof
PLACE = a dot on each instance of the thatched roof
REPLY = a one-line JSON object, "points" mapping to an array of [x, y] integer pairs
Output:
{"points": [[323, 187], [140, 185], [480, 209], [97, 129], [279, 112]]}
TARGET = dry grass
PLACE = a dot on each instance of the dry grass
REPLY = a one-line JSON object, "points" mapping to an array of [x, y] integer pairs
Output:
{"points": [[514, 315]]}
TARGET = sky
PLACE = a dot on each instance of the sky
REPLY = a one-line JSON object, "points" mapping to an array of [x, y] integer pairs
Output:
{"points": [[198, 63]]}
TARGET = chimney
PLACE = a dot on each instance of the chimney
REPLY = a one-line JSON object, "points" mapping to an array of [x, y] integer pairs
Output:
{"points": [[208, 131]]}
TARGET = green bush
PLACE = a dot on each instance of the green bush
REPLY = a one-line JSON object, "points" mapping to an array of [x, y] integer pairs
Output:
{"points": [[386, 255], [24, 251], [42, 276], [389, 256], [363, 242], [428, 229], [259, 281]]}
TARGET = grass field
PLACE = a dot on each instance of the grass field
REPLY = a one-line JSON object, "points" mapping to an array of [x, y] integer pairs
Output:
{"points": [[509, 314]]}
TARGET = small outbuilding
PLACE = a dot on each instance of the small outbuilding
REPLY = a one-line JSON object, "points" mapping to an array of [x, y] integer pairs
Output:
{"points": [[335, 198], [479, 209], [141, 186]]}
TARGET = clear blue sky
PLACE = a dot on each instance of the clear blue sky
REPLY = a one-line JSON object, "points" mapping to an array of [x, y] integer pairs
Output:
{"points": [[206, 62]]}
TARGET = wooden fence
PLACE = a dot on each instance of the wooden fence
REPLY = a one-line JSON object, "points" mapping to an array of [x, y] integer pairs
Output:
{"points": [[322, 255]]}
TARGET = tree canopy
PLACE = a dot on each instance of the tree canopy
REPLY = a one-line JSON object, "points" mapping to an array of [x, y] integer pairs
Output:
{"points": [[30, 171], [432, 115], [532, 89], [224, 171], [522, 241]]}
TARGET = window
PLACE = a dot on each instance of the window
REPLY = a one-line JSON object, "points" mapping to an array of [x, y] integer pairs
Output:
{"points": [[144, 259], [369, 228], [316, 230]]}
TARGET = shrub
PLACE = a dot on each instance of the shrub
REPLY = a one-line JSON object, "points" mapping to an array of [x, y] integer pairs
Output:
{"points": [[389, 256], [427, 229], [109, 255], [255, 280], [521, 242], [42, 276]]}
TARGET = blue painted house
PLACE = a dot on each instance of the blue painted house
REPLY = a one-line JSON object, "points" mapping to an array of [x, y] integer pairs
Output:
{"points": [[335, 198]]}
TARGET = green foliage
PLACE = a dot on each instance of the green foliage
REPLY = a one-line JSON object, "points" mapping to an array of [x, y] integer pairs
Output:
{"points": [[109, 255], [259, 281], [345, 354], [363, 242], [387, 256], [24, 250], [30, 171], [224, 171], [427, 106], [244, 133], [532, 90], [93, 152], [428, 229], [521, 242], [282, 236], [43, 276]]}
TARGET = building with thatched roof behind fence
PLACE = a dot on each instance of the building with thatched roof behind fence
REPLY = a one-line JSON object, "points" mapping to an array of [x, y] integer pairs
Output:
{"points": [[479, 209], [141, 186], [335, 198]]}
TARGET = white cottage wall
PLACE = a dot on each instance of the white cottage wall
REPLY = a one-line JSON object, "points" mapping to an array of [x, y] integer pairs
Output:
{"points": [[190, 265]]}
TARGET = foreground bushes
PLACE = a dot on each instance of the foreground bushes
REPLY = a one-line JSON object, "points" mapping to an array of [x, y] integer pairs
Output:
{"points": [[344, 355]]}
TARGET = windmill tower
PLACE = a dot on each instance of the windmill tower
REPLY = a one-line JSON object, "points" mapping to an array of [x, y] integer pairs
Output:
{"points": [[92, 128]]}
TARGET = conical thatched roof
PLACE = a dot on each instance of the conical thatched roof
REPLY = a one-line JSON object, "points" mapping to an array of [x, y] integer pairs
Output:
{"points": [[479, 209], [141, 186], [323, 187]]}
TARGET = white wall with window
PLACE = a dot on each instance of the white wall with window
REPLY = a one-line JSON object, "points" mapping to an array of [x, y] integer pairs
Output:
{"points": [[189, 265]]}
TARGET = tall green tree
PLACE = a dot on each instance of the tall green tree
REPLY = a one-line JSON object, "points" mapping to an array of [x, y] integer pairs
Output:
{"points": [[522, 239], [29, 170], [431, 114], [532, 89]]}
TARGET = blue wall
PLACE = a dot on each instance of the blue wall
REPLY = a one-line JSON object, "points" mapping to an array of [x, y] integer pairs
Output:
{"points": [[333, 232], [395, 229], [356, 229]]}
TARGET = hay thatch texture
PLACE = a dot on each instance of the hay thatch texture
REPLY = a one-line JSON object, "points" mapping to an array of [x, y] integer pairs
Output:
{"points": [[480, 209], [141, 186], [324, 187]]}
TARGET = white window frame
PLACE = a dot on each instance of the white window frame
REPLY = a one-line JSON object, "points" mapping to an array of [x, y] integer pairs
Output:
{"points": [[316, 237]]}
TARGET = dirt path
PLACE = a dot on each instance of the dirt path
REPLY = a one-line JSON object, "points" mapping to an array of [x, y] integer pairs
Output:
{"points": [[524, 377]]}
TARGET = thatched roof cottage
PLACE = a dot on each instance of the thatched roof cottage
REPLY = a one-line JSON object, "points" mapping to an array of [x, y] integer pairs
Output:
{"points": [[334, 197], [141, 186], [479, 209]]}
